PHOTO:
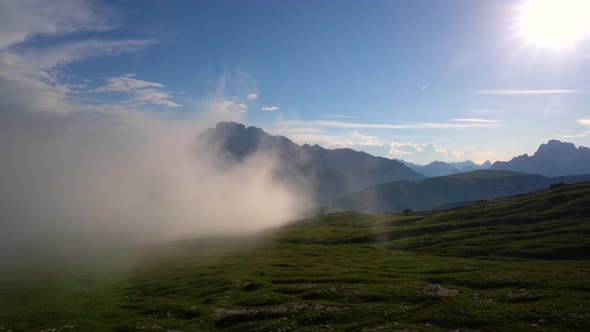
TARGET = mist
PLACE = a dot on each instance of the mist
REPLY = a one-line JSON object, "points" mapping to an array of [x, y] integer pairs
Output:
{"points": [[87, 181]]}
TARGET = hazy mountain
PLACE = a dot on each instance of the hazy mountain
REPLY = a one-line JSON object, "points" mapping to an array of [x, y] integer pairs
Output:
{"points": [[331, 173], [468, 166], [441, 168], [554, 158], [448, 190]]}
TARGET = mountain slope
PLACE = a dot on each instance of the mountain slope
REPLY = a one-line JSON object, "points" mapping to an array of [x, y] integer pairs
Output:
{"points": [[330, 172], [448, 190], [516, 264], [554, 158]]}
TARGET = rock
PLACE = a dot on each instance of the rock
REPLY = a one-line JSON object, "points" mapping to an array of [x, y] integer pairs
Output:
{"points": [[432, 288], [440, 291]]}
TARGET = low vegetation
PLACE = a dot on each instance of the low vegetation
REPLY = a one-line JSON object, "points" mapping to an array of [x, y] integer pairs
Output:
{"points": [[514, 264]]}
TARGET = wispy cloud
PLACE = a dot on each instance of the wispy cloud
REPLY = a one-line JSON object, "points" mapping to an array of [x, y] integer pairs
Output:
{"points": [[35, 79], [228, 106], [140, 91], [415, 152], [19, 20], [477, 120], [420, 125], [252, 96], [530, 92], [152, 96], [571, 135], [66, 53], [269, 108], [430, 151], [584, 122], [359, 139], [294, 130], [30, 89], [126, 83], [340, 116], [33, 76], [324, 140]]}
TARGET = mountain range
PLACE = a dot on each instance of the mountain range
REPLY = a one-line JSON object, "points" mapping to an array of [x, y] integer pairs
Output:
{"points": [[554, 158], [449, 191], [441, 168], [329, 172], [349, 178]]}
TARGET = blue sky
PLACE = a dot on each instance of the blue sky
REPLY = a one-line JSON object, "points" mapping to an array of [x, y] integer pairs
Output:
{"points": [[416, 80]]}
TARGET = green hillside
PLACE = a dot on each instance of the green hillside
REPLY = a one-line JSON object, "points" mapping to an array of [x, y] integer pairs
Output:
{"points": [[446, 191], [515, 264]]}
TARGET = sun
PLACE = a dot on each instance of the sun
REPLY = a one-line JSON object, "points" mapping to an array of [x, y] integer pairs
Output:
{"points": [[555, 23]]}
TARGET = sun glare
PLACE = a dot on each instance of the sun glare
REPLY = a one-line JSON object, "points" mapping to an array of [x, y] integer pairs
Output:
{"points": [[555, 23]]}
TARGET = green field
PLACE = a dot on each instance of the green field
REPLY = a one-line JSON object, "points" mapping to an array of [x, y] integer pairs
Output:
{"points": [[515, 264]]}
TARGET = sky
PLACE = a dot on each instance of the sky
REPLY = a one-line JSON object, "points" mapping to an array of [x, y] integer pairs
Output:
{"points": [[446, 80]]}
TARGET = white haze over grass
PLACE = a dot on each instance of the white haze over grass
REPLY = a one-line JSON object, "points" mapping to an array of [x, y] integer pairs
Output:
{"points": [[90, 180]]}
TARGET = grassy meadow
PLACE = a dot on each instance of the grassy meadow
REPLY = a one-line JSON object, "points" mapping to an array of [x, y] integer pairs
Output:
{"points": [[514, 264]]}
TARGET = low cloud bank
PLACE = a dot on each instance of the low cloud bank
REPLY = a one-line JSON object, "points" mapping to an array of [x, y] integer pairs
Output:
{"points": [[93, 179]]}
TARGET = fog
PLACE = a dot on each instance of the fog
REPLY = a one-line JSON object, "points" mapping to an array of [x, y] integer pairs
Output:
{"points": [[88, 181]]}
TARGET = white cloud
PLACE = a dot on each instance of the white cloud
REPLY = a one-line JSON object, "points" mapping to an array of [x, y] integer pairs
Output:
{"points": [[269, 108], [151, 96], [140, 91], [34, 78], [419, 125], [477, 120], [252, 96], [326, 141], [415, 152], [29, 89], [428, 151], [359, 139], [166, 103], [572, 135], [295, 130], [125, 83], [584, 122], [63, 54], [530, 92], [20, 19], [243, 106], [228, 106]]}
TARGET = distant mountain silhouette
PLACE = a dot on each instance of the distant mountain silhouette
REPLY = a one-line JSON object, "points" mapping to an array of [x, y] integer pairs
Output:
{"points": [[554, 158], [440, 168], [448, 191], [468, 166], [331, 173]]}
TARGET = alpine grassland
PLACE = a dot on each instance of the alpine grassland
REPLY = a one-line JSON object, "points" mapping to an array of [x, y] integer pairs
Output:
{"points": [[511, 264]]}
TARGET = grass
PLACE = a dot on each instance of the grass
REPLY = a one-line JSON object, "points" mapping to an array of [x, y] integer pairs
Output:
{"points": [[515, 264]]}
